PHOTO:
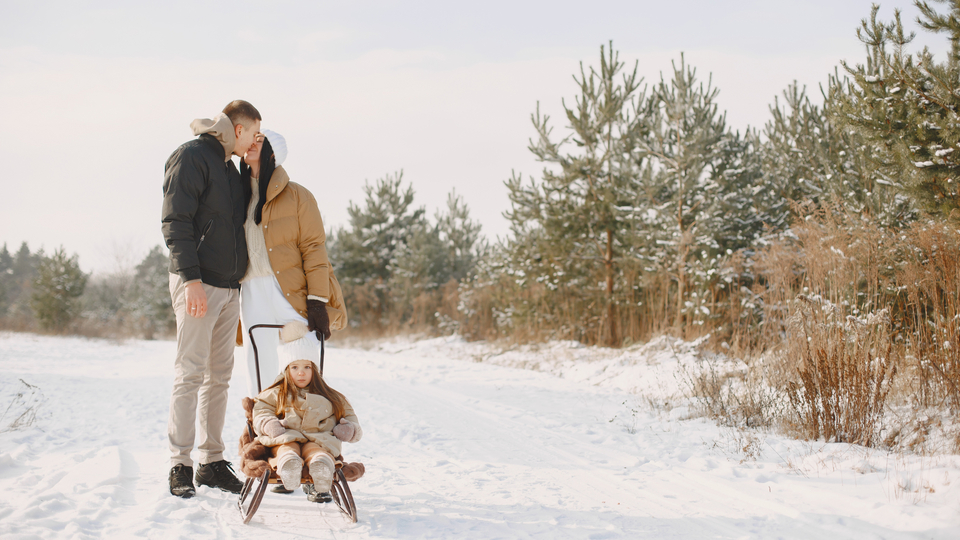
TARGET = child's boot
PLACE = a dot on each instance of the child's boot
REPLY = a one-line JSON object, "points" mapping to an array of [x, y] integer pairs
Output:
{"points": [[321, 469], [289, 469], [315, 496]]}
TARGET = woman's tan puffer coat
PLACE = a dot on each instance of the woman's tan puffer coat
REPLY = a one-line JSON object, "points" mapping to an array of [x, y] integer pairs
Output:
{"points": [[296, 245]]}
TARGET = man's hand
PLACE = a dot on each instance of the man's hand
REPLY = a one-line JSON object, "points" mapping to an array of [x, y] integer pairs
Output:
{"points": [[196, 299]]}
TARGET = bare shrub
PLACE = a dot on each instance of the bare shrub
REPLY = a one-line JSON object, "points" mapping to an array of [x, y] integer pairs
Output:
{"points": [[922, 431], [628, 418], [21, 412], [476, 312], [447, 315], [365, 309], [19, 324], [845, 367], [373, 312], [735, 393]]}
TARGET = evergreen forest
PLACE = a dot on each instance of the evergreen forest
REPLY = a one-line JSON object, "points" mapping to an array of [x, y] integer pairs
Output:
{"points": [[819, 254]]}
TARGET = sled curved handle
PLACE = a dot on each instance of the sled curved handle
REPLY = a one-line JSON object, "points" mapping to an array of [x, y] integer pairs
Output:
{"points": [[256, 355]]}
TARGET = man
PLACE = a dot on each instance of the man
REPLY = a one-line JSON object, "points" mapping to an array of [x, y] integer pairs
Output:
{"points": [[203, 215]]}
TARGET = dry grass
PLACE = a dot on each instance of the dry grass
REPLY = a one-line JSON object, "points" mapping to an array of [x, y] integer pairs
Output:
{"points": [[734, 393], [501, 305], [835, 324], [854, 326], [826, 322], [21, 412], [928, 307], [844, 366], [18, 324]]}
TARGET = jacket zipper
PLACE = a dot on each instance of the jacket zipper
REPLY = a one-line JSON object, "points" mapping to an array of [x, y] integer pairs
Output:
{"points": [[203, 235], [234, 232]]}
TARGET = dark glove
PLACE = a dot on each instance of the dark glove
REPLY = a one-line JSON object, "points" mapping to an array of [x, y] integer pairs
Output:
{"points": [[317, 318]]}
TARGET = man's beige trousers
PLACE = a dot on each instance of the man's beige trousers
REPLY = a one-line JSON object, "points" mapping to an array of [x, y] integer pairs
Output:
{"points": [[202, 373]]}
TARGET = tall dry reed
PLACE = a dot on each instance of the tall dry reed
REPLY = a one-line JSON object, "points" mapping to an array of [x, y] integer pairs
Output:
{"points": [[928, 307], [844, 368]]}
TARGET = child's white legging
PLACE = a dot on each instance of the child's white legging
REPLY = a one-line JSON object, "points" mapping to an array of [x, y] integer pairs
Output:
{"points": [[308, 452], [262, 302]]}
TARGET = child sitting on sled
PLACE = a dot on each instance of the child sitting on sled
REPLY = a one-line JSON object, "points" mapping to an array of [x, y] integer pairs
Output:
{"points": [[301, 419]]}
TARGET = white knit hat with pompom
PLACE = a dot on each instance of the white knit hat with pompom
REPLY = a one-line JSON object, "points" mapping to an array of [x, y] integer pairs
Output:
{"points": [[295, 345]]}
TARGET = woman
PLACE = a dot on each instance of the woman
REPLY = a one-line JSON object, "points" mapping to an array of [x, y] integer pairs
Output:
{"points": [[289, 276]]}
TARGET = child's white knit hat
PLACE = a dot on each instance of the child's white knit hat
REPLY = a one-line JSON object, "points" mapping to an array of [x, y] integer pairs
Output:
{"points": [[295, 345]]}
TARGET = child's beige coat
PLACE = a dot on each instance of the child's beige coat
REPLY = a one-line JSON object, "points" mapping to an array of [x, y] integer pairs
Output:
{"points": [[313, 422]]}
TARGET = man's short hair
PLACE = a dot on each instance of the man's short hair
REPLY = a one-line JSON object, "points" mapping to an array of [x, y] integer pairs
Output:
{"points": [[240, 111]]}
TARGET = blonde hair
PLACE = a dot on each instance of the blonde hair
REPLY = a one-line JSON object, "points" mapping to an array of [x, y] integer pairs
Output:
{"points": [[288, 392]]}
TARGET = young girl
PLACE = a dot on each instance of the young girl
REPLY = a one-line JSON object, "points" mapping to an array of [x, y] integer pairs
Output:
{"points": [[301, 418]]}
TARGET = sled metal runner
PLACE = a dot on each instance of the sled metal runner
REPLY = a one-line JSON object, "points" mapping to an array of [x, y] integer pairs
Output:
{"points": [[255, 488]]}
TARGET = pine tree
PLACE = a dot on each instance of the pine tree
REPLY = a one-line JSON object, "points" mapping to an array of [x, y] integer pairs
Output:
{"points": [[24, 262], [686, 143], [747, 208], [906, 107], [148, 299], [811, 155], [102, 304], [460, 236], [571, 222], [804, 152], [362, 254], [377, 229], [56, 290], [417, 269], [434, 254], [22, 271], [7, 286]]}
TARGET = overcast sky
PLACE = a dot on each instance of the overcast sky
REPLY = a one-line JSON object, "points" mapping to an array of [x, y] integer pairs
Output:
{"points": [[95, 95]]}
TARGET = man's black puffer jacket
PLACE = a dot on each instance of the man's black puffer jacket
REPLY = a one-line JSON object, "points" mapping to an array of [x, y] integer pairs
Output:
{"points": [[204, 208]]}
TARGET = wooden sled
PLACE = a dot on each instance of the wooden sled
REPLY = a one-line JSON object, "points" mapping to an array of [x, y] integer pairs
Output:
{"points": [[253, 457]]}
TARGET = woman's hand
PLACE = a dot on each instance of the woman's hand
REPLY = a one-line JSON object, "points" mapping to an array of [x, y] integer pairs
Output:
{"points": [[318, 318]]}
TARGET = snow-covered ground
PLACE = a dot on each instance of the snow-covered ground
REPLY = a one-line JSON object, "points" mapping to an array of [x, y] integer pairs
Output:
{"points": [[459, 442]]}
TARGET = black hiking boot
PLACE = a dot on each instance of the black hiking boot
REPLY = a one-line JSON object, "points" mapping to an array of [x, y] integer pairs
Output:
{"points": [[317, 496], [181, 481], [219, 474]]}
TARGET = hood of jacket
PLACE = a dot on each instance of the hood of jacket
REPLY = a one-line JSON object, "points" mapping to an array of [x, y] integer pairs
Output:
{"points": [[221, 128]]}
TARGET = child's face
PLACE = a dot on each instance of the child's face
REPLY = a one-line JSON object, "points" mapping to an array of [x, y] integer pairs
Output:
{"points": [[300, 372]]}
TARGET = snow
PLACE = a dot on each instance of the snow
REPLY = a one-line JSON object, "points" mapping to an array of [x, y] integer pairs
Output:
{"points": [[461, 440]]}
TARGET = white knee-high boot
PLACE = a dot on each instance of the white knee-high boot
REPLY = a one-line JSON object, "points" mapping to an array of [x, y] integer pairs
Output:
{"points": [[321, 468], [289, 469]]}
